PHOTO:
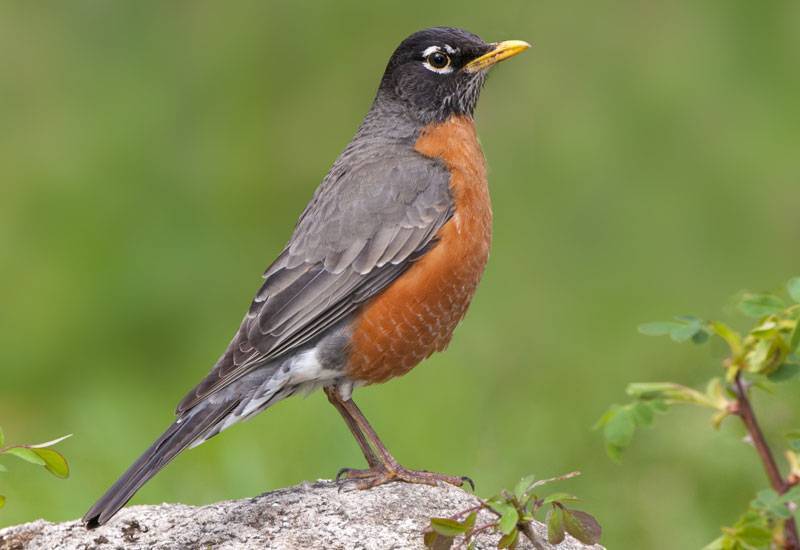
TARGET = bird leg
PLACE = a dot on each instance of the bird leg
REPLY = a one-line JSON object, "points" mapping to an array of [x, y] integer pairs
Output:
{"points": [[383, 468], [336, 401]]}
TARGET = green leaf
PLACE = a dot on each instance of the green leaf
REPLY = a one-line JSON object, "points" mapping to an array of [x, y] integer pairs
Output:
{"points": [[793, 286], [2, 437], [668, 391], [780, 511], [614, 452], [643, 414], [756, 536], [508, 521], [650, 390], [606, 416], [26, 454], [523, 485], [792, 495], [2, 501], [659, 328], [718, 417], [469, 522], [659, 405], [559, 497], [760, 305], [767, 328], [731, 337], [770, 502], [3, 468], [762, 358], [765, 498], [620, 428], [499, 505], [784, 373], [752, 531], [686, 328], [448, 527], [717, 394], [582, 526], [685, 333], [694, 330], [555, 525], [508, 540], [55, 463]]}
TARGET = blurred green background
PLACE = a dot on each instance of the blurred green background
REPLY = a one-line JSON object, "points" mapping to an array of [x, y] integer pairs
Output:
{"points": [[643, 161]]}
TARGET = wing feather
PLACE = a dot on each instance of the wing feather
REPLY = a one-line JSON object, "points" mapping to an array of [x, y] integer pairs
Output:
{"points": [[362, 229]]}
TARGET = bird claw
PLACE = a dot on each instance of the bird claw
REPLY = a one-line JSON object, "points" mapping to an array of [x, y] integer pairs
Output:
{"points": [[341, 473], [379, 475], [353, 475]]}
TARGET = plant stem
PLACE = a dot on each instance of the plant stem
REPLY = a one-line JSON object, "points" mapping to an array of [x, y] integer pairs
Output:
{"points": [[470, 510], [780, 485], [748, 417], [528, 531]]}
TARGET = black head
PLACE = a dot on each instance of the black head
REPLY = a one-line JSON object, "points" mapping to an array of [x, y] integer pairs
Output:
{"points": [[439, 72]]}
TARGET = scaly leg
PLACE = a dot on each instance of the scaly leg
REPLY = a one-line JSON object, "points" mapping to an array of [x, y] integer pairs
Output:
{"points": [[336, 401], [384, 467]]}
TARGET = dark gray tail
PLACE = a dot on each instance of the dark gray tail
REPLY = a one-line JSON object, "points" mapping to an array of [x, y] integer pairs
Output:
{"points": [[182, 433]]}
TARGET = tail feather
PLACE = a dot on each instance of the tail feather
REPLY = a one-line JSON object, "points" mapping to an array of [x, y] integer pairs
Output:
{"points": [[180, 435]]}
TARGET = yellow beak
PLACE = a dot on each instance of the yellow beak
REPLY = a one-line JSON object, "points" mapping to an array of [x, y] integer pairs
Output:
{"points": [[500, 51]]}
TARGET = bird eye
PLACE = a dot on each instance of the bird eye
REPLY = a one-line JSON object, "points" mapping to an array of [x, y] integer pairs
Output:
{"points": [[438, 60]]}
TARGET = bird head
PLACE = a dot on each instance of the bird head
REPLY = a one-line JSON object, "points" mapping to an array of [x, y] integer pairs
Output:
{"points": [[439, 72]]}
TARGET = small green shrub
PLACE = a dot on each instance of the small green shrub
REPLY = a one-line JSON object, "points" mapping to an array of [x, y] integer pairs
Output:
{"points": [[768, 354], [40, 454], [512, 514]]}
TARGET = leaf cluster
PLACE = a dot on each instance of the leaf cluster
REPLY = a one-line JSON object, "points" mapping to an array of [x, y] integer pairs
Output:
{"points": [[511, 514], [767, 354], [40, 454], [762, 525]]}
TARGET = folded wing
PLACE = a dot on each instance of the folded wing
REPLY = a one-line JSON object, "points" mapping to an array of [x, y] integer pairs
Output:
{"points": [[362, 229]]}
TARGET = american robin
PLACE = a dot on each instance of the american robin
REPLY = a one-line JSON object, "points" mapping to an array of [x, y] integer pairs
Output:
{"points": [[381, 266]]}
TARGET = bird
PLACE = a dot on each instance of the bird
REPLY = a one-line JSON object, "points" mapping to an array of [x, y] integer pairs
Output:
{"points": [[379, 269]]}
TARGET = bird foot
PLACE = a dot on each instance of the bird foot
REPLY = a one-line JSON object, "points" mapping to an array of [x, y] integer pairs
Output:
{"points": [[380, 474]]}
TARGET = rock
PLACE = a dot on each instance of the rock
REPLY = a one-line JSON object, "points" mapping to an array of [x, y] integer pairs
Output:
{"points": [[322, 515]]}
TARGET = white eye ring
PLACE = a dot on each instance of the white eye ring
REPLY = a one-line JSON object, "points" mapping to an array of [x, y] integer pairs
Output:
{"points": [[446, 69]]}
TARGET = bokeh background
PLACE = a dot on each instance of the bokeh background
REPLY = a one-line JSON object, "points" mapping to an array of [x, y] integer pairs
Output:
{"points": [[154, 156]]}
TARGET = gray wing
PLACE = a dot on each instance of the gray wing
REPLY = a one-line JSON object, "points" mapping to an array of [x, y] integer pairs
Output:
{"points": [[362, 229]]}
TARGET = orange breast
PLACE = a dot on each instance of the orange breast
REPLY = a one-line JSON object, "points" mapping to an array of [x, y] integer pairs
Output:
{"points": [[416, 315]]}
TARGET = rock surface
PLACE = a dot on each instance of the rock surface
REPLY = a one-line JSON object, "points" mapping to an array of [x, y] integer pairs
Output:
{"points": [[307, 516]]}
